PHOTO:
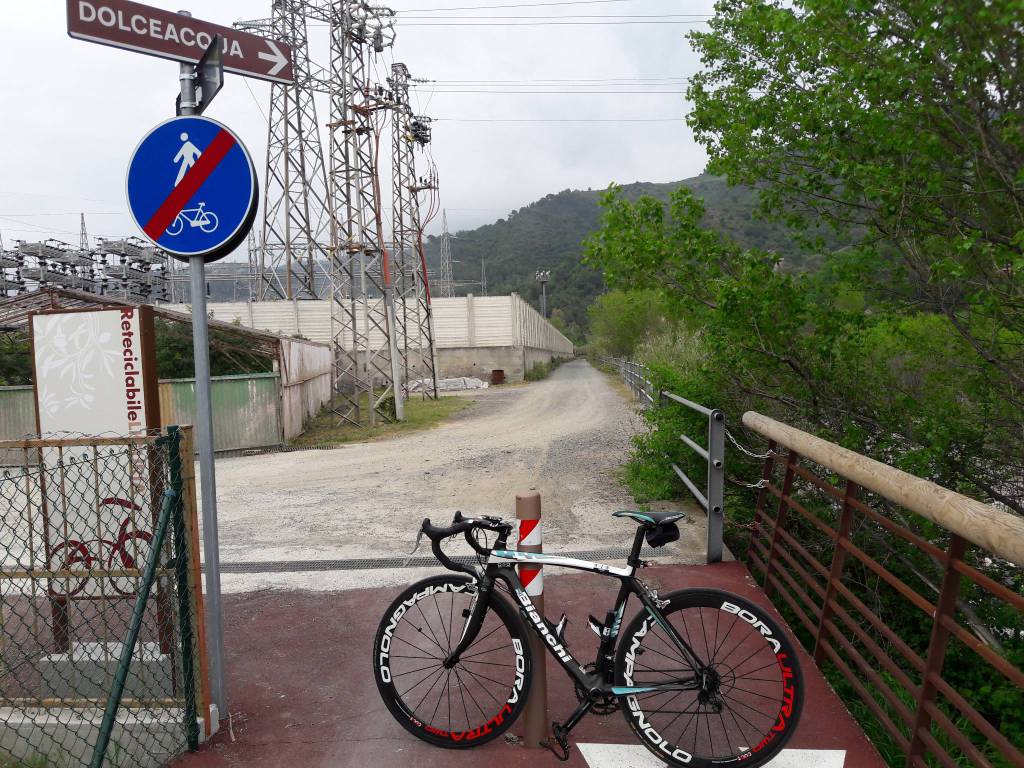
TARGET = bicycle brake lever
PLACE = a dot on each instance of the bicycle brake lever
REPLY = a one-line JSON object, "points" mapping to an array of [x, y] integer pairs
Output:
{"points": [[416, 546]]}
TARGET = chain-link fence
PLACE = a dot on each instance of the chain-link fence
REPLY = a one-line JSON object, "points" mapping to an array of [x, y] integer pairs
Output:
{"points": [[99, 605]]}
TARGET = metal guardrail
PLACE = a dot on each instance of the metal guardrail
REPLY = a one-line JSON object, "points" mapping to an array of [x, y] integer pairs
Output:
{"points": [[637, 377], [949, 693]]}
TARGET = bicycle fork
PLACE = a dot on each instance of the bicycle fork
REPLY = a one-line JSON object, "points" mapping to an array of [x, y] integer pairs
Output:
{"points": [[474, 615]]}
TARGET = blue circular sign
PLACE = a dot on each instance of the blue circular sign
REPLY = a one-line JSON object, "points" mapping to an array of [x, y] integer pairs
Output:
{"points": [[192, 188]]}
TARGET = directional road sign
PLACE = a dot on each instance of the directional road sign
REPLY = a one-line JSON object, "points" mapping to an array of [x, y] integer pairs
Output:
{"points": [[169, 35], [192, 188]]}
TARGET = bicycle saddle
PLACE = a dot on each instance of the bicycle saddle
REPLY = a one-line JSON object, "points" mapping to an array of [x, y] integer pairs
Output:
{"points": [[650, 519]]}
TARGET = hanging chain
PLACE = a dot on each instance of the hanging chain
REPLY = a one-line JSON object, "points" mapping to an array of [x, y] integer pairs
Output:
{"points": [[762, 483], [747, 451]]}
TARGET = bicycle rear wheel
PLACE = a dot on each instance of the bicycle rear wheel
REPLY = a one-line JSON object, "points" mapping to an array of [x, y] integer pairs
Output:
{"points": [[752, 692], [476, 700]]}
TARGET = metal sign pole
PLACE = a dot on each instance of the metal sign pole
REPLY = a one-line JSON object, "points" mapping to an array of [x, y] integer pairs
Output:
{"points": [[204, 440]]}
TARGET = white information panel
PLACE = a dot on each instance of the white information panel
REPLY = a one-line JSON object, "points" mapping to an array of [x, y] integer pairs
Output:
{"points": [[94, 374]]}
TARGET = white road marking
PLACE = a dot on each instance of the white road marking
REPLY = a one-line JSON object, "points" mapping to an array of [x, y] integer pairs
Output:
{"points": [[635, 756]]}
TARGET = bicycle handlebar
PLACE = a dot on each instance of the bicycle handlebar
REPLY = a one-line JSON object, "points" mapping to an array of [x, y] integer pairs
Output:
{"points": [[465, 525]]}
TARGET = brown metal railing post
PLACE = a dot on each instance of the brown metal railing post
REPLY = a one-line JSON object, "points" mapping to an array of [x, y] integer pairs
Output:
{"points": [[762, 496], [836, 571], [535, 713], [946, 607], [780, 518]]}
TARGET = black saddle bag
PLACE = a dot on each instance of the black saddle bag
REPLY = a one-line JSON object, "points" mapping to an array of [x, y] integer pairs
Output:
{"points": [[660, 535]]}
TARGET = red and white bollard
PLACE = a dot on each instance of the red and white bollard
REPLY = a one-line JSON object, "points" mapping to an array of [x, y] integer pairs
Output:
{"points": [[535, 714]]}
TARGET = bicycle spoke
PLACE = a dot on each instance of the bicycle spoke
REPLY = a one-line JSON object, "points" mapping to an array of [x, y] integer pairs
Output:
{"points": [[417, 685], [471, 696], [437, 706], [427, 623], [655, 650], [429, 655], [481, 639], [447, 636], [439, 677], [483, 687], [413, 671], [489, 663], [754, 693], [720, 646], [741, 717]]}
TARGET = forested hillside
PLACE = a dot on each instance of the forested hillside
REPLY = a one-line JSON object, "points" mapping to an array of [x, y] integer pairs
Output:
{"points": [[548, 233]]}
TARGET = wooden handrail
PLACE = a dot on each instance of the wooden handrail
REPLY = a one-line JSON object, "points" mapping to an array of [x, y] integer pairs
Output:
{"points": [[982, 524]]}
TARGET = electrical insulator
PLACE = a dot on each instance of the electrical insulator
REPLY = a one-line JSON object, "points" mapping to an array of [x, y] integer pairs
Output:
{"points": [[378, 40]]}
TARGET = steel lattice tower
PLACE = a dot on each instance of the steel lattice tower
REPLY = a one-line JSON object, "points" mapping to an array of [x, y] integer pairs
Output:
{"points": [[412, 288], [292, 253], [368, 364], [446, 257]]}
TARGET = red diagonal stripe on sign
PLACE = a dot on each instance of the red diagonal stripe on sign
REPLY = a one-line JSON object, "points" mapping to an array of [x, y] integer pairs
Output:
{"points": [[190, 184], [526, 528]]}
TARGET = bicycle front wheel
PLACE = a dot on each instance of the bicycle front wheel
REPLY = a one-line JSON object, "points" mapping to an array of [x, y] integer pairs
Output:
{"points": [[744, 704], [476, 700]]}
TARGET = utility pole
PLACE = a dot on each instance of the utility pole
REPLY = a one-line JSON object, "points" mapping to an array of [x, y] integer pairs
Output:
{"points": [[483, 277], [543, 275]]}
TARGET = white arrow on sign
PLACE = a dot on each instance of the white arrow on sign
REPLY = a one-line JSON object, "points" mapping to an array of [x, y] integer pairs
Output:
{"points": [[275, 56]]}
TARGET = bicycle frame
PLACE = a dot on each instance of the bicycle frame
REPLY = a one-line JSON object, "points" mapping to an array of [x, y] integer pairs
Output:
{"points": [[499, 566]]}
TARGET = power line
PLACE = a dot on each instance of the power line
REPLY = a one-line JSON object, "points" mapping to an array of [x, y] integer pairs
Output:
{"points": [[692, 16], [535, 23], [562, 81], [557, 120], [512, 5], [545, 93]]}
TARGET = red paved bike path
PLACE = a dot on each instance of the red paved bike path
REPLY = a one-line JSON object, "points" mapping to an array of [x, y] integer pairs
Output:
{"points": [[301, 687]]}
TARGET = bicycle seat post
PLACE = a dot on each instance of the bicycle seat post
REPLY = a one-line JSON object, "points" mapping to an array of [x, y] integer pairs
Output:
{"points": [[638, 543]]}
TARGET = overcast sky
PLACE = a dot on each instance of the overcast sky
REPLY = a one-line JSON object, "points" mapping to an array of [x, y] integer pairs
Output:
{"points": [[73, 111]]}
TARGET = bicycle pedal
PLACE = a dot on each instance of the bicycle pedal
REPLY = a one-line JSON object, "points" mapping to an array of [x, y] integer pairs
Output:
{"points": [[561, 736]]}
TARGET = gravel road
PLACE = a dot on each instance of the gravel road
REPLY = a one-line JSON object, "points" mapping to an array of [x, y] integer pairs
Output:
{"points": [[565, 436]]}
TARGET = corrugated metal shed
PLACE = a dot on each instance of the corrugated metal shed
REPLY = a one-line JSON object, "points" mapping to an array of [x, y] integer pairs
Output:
{"points": [[17, 419], [246, 409]]}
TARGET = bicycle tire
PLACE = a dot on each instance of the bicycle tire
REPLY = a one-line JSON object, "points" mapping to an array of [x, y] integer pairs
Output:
{"points": [[752, 636], [437, 726], [175, 227]]}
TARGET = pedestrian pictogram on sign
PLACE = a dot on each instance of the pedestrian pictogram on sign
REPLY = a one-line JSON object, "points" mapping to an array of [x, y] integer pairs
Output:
{"points": [[192, 188]]}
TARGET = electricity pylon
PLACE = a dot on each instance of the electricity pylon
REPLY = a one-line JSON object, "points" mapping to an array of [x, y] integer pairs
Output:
{"points": [[412, 288], [292, 251], [368, 365], [446, 257]]}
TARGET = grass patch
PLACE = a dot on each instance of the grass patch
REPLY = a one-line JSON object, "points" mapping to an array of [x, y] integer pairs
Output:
{"points": [[324, 428]]}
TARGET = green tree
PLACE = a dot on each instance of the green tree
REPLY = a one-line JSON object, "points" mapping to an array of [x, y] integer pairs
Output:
{"points": [[620, 320]]}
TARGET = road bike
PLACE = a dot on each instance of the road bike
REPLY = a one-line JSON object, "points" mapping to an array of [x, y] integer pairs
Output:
{"points": [[200, 217], [703, 677]]}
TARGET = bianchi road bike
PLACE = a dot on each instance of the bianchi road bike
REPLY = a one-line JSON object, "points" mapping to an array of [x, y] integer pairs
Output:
{"points": [[704, 678]]}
